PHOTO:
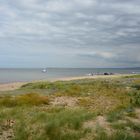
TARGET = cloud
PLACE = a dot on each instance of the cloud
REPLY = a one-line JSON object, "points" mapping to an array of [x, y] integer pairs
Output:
{"points": [[106, 32]]}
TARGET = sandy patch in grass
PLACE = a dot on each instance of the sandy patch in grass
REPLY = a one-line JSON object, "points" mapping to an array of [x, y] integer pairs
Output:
{"points": [[100, 121], [138, 112], [100, 104], [64, 101], [6, 130]]}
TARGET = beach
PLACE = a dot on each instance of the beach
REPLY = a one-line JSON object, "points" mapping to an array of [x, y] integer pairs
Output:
{"points": [[16, 85]]}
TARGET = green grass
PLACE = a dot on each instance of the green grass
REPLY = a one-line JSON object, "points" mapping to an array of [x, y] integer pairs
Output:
{"points": [[34, 124], [135, 98], [122, 135], [129, 125], [115, 115], [37, 119], [132, 76], [25, 99], [118, 135], [120, 112]]}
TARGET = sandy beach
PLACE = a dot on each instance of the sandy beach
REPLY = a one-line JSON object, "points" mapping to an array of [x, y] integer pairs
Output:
{"points": [[16, 85]]}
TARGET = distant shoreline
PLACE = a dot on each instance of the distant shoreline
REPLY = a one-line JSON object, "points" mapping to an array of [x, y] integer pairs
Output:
{"points": [[16, 85]]}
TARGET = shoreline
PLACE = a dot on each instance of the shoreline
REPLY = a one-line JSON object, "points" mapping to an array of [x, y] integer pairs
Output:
{"points": [[17, 85]]}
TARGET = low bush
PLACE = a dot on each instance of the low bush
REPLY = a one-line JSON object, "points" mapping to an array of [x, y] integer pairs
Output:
{"points": [[136, 87], [135, 98], [25, 99], [114, 116], [8, 101], [32, 99]]}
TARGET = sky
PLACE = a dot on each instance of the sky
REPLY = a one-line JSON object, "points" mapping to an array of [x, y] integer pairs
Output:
{"points": [[70, 33]]}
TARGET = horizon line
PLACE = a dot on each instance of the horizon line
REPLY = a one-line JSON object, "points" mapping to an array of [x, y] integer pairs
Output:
{"points": [[69, 67]]}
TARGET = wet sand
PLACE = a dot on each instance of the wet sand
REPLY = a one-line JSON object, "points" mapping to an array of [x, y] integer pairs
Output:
{"points": [[13, 86]]}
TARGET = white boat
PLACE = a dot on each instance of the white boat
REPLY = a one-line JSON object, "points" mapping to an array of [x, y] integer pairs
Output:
{"points": [[89, 74], [44, 70]]}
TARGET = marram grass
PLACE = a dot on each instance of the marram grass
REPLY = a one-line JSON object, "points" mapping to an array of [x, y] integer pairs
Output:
{"points": [[35, 116]]}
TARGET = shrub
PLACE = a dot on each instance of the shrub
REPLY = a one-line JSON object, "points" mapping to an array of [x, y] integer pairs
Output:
{"points": [[21, 131], [25, 99], [37, 85], [114, 116], [135, 98], [136, 87], [32, 99], [8, 101]]}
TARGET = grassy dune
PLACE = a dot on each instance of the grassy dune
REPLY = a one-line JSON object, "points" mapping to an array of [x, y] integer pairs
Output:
{"points": [[87, 109]]}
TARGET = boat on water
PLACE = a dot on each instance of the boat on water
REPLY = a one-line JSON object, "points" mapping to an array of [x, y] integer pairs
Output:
{"points": [[89, 74], [44, 70]]}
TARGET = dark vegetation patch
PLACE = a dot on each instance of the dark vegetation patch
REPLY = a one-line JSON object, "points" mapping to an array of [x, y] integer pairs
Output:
{"points": [[25, 99]]}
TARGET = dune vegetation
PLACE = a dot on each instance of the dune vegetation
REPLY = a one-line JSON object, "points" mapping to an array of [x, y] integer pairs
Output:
{"points": [[87, 109]]}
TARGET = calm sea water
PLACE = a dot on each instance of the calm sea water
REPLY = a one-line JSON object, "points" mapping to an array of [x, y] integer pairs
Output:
{"points": [[20, 75]]}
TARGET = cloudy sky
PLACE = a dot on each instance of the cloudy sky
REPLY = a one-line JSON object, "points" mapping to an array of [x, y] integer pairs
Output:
{"points": [[69, 33]]}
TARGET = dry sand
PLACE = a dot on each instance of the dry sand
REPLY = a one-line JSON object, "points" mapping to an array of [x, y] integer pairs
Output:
{"points": [[13, 86]]}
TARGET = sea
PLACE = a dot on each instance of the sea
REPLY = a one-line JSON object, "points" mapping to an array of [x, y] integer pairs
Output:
{"points": [[9, 75]]}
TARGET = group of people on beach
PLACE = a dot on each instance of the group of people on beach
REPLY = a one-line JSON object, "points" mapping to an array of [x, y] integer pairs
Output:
{"points": [[105, 73]]}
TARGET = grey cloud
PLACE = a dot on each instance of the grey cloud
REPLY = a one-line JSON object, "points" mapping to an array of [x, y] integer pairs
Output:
{"points": [[89, 30]]}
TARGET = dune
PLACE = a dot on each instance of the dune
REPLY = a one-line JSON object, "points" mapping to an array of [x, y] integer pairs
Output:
{"points": [[16, 85]]}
